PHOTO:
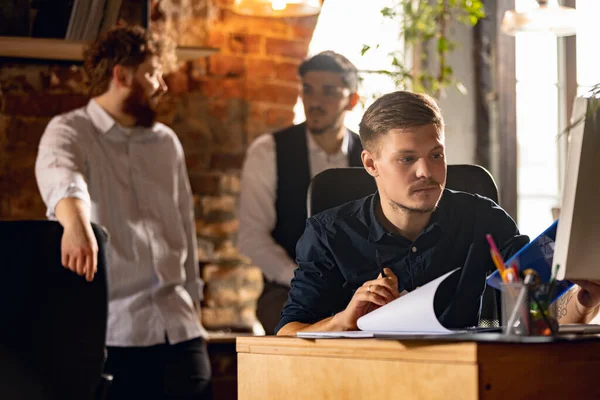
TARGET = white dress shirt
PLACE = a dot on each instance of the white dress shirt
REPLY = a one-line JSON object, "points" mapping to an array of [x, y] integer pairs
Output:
{"points": [[136, 183], [257, 214]]}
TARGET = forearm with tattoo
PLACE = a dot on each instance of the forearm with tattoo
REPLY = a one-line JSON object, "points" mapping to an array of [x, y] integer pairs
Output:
{"points": [[559, 308]]}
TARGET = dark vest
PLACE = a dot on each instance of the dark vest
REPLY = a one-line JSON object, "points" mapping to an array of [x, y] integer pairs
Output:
{"points": [[293, 178]]}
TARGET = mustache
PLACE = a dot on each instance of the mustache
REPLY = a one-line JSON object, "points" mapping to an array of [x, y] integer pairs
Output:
{"points": [[316, 109], [425, 184]]}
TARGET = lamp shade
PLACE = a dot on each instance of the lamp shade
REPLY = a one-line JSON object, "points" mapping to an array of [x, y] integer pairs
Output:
{"points": [[277, 8], [547, 16]]}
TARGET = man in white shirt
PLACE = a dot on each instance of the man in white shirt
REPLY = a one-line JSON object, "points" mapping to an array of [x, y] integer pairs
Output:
{"points": [[278, 169], [112, 164]]}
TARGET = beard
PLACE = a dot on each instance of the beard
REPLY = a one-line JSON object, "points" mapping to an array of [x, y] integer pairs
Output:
{"points": [[335, 125], [411, 210], [396, 206], [138, 106]]}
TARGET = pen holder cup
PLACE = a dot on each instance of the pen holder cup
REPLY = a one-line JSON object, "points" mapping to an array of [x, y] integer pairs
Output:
{"points": [[525, 310]]}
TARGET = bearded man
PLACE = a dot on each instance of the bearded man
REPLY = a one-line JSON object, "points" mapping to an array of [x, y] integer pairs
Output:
{"points": [[111, 163]]}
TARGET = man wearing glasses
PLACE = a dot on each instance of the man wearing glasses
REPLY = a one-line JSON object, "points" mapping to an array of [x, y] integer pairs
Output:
{"points": [[278, 169]]}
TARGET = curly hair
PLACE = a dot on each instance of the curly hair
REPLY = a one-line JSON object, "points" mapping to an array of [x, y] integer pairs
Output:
{"points": [[128, 46]]}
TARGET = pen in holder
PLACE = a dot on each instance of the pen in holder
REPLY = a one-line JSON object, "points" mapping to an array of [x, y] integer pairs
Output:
{"points": [[525, 309]]}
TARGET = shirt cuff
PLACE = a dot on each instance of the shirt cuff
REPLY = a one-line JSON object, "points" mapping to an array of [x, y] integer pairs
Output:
{"points": [[195, 288], [73, 190]]}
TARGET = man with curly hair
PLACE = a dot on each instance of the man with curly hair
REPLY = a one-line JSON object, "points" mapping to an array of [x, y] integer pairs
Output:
{"points": [[111, 163]]}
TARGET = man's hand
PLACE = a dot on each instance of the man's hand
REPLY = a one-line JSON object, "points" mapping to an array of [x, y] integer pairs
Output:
{"points": [[370, 296], [583, 308], [588, 299], [79, 249]]}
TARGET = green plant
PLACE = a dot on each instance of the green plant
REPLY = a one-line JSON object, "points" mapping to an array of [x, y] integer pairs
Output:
{"points": [[422, 21]]}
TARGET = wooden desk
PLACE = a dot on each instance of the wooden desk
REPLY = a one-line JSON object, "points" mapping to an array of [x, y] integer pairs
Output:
{"points": [[291, 368]]}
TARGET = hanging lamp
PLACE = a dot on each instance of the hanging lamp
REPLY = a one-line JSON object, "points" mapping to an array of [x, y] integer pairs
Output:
{"points": [[277, 8], [543, 16]]}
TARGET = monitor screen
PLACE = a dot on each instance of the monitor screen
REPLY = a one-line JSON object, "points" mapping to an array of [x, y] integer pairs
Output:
{"points": [[577, 248]]}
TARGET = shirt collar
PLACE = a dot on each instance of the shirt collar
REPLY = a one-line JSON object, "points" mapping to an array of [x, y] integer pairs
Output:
{"points": [[439, 218], [105, 123], [100, 118], [313, 146]]}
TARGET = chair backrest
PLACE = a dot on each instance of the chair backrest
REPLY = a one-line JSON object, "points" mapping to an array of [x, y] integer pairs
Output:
{"points": [[53, 321], [336, 186]]}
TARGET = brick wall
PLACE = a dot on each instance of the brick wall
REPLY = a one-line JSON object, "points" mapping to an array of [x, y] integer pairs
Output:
{"points": [[217, 106]]}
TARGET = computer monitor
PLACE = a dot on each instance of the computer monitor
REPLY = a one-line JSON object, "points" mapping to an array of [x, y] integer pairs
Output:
{"points": [[577, 247]]}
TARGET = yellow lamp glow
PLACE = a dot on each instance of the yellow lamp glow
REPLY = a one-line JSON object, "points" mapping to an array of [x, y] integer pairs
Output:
{"points": [[277, 8], [278, 5]]}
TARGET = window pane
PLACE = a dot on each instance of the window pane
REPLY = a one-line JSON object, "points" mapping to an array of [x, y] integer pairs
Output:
{"points": [[537, 161], [525, 5], [535, 214], [345, 26], [537, 120], [588, 70], [536, 59]]}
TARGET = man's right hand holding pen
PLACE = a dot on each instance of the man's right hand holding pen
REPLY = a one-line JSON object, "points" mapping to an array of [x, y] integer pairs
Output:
{"points": [[370, 296]]}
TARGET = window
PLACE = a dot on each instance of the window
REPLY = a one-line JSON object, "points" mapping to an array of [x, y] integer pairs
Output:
{"points": [[344, 26], [537, 129], [540, 110], [588, 70]]}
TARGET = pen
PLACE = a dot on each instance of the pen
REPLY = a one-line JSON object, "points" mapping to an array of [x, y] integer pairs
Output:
{"points": [[497, 258], [378, 261]]}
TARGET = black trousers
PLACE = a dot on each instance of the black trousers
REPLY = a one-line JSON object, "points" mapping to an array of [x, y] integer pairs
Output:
{"points": [[162, 372]]}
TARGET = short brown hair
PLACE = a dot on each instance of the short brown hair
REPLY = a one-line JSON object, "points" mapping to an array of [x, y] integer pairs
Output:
{"points": [[128, 46], [398, 110], [331, 61]]}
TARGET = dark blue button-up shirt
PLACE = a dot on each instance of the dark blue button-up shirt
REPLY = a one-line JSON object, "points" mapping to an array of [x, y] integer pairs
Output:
{"points": [[344, 247]]}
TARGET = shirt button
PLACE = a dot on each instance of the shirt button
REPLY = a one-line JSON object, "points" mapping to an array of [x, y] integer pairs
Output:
{"points": [[414, 249]]}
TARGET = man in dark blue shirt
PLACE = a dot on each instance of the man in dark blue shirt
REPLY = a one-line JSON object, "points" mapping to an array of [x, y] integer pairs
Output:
{"points": [[412, 226]]}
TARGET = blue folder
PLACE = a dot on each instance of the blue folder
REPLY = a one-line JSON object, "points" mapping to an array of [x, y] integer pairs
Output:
{"points": [[536, 255]]}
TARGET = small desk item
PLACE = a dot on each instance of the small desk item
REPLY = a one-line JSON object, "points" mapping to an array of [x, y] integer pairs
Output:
{"points": [[449, 367], [579, 329], [536, 255]]}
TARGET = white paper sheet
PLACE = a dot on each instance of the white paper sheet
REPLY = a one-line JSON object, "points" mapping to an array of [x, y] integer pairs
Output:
{"points": [[334, 335], [411, 314]]}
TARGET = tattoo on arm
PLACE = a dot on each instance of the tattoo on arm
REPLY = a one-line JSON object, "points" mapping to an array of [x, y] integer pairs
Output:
{"points": [[559, 308]]}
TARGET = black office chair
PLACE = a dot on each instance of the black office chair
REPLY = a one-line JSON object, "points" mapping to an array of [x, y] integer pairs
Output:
{"points": [[53, 328], [337, 186]]}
